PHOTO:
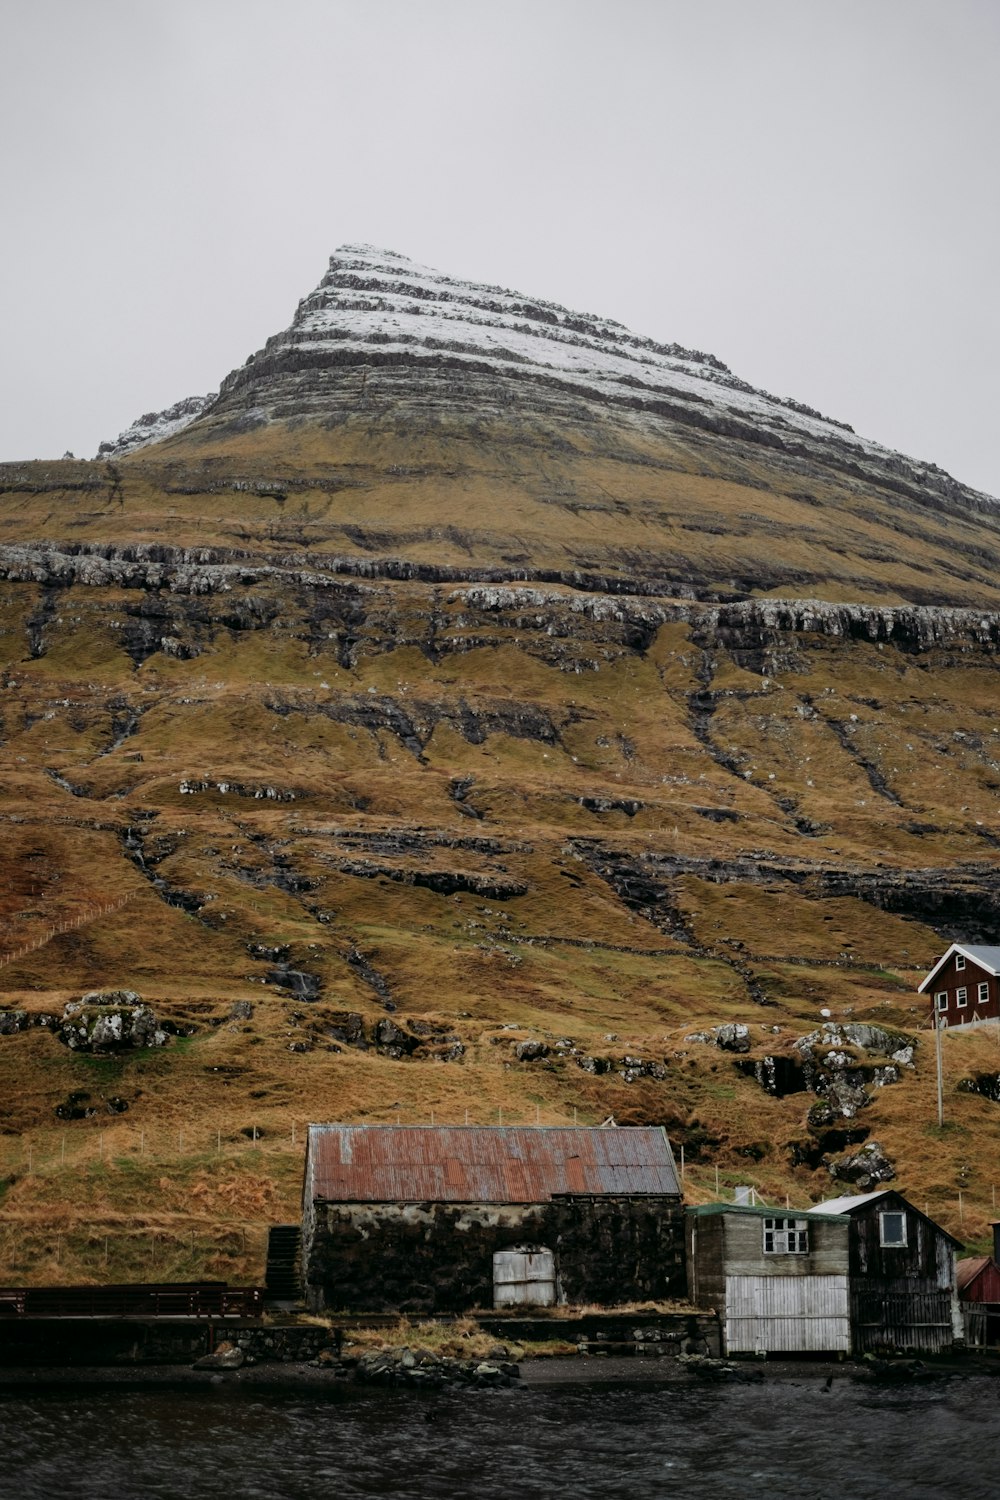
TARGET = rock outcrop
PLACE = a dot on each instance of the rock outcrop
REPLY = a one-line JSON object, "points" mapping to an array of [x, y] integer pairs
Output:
{"points": [[110, 1021], [155, 425]]}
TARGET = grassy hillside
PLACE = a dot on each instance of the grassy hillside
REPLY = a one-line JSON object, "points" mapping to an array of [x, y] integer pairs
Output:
{"points": [[363, 812]]}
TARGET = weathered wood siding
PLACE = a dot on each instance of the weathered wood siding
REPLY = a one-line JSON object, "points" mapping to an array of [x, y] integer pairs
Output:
{"points": [[951, 981], [524, 1278], [985, 1287], [791, 1302], [788, 1314], [902, 1297], [744, 1253]]}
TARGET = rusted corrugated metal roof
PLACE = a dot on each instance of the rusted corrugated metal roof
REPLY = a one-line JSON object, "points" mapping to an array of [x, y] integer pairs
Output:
{"points": [[967, 1270], [486, 1163]]}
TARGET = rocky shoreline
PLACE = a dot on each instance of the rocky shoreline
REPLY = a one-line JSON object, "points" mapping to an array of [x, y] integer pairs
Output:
{"points": [[389, 1369]]}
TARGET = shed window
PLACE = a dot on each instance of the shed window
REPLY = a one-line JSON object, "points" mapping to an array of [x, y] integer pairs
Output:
{"points": [[941, 1000], [892, 1229], [961, 996], [959, 960], [984, 994], [786, 1237]]}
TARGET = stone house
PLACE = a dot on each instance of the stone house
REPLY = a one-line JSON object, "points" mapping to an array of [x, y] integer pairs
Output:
{"points": [[964, 985], [778, 1279], [445, 1219]]}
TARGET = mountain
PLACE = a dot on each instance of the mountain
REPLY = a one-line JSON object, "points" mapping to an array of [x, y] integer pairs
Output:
{"points": [[476, 706]]}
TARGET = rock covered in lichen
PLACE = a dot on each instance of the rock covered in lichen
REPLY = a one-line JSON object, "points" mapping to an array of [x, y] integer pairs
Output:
{"points": [[865, 1168], [734, 1036], [110, 1021]]}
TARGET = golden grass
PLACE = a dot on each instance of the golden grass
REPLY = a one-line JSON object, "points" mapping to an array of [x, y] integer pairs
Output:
{"points": [[152, 1191]]}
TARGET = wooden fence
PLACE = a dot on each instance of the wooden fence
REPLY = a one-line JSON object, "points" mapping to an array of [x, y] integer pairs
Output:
{"points": [[209, 1299], [91, 914]]}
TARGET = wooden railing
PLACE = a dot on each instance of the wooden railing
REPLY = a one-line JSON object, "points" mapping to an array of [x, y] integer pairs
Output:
{"points": [[209, 1299]]}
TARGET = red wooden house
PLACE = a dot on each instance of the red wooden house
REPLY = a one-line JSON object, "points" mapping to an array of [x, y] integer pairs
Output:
{"points": [[979, 1292], [964, 985]]}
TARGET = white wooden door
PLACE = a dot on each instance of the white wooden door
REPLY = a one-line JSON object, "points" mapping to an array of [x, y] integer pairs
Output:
{"points": [[524, 1277], [787, 1314]]}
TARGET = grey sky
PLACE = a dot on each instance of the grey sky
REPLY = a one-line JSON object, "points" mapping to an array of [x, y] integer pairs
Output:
{"points": [[806, 188]]}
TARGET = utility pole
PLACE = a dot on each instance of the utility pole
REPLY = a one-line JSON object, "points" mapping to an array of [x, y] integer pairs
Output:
{"points": [[937, 1054]]}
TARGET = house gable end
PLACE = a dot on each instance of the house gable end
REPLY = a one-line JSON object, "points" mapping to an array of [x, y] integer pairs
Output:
{"points": [[986, 960]]}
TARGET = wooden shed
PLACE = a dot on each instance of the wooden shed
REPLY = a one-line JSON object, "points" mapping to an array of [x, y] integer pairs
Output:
{"points": [[978, 1279], [777, 1278], [903, 1275], [964, 985], [440, 1219]]}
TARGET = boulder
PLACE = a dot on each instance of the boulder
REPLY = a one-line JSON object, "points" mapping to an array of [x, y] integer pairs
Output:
{"points": [[734, 1036], [865, 1168], [530, 1051], [225, 1357], [104, 1022]]}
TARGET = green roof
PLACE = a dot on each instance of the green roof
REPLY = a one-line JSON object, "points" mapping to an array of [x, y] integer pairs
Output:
{"points": [[707, 1210]]}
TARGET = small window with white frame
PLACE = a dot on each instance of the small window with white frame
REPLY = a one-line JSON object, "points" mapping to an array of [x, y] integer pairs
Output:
{"points": [[961, 997], [959, 960], [984, 994], [892, 1229], [941, 1000], [786, 1237]]}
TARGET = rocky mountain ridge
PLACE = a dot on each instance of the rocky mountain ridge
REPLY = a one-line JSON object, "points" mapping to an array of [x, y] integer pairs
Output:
{"points": [[417, 335], [743, 624], [153, 426]]}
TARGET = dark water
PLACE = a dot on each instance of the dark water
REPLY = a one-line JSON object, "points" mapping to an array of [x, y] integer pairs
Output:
{"points": [[781, 1439]]}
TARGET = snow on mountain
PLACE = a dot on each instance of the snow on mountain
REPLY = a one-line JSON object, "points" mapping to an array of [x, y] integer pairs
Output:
{"points": [[377, 310], [156, 425]]}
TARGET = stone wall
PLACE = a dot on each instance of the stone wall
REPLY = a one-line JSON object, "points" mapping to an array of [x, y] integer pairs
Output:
{"points": [[438, 1257]]}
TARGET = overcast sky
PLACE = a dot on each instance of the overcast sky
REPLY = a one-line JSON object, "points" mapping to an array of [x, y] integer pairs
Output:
{"points": [[806, 188]]}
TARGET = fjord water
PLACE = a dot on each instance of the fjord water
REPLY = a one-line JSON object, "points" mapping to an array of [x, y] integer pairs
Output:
{"points": [[787, 1440]]}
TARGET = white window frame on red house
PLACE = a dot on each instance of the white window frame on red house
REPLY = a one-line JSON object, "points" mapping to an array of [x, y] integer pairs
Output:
{"points": [[961, 997], [941, 1000], [959, 960], [984, 993]]}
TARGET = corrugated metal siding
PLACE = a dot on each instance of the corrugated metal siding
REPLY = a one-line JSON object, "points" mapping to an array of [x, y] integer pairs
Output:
{"points": [[486, 1163], [787, 1314]]}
